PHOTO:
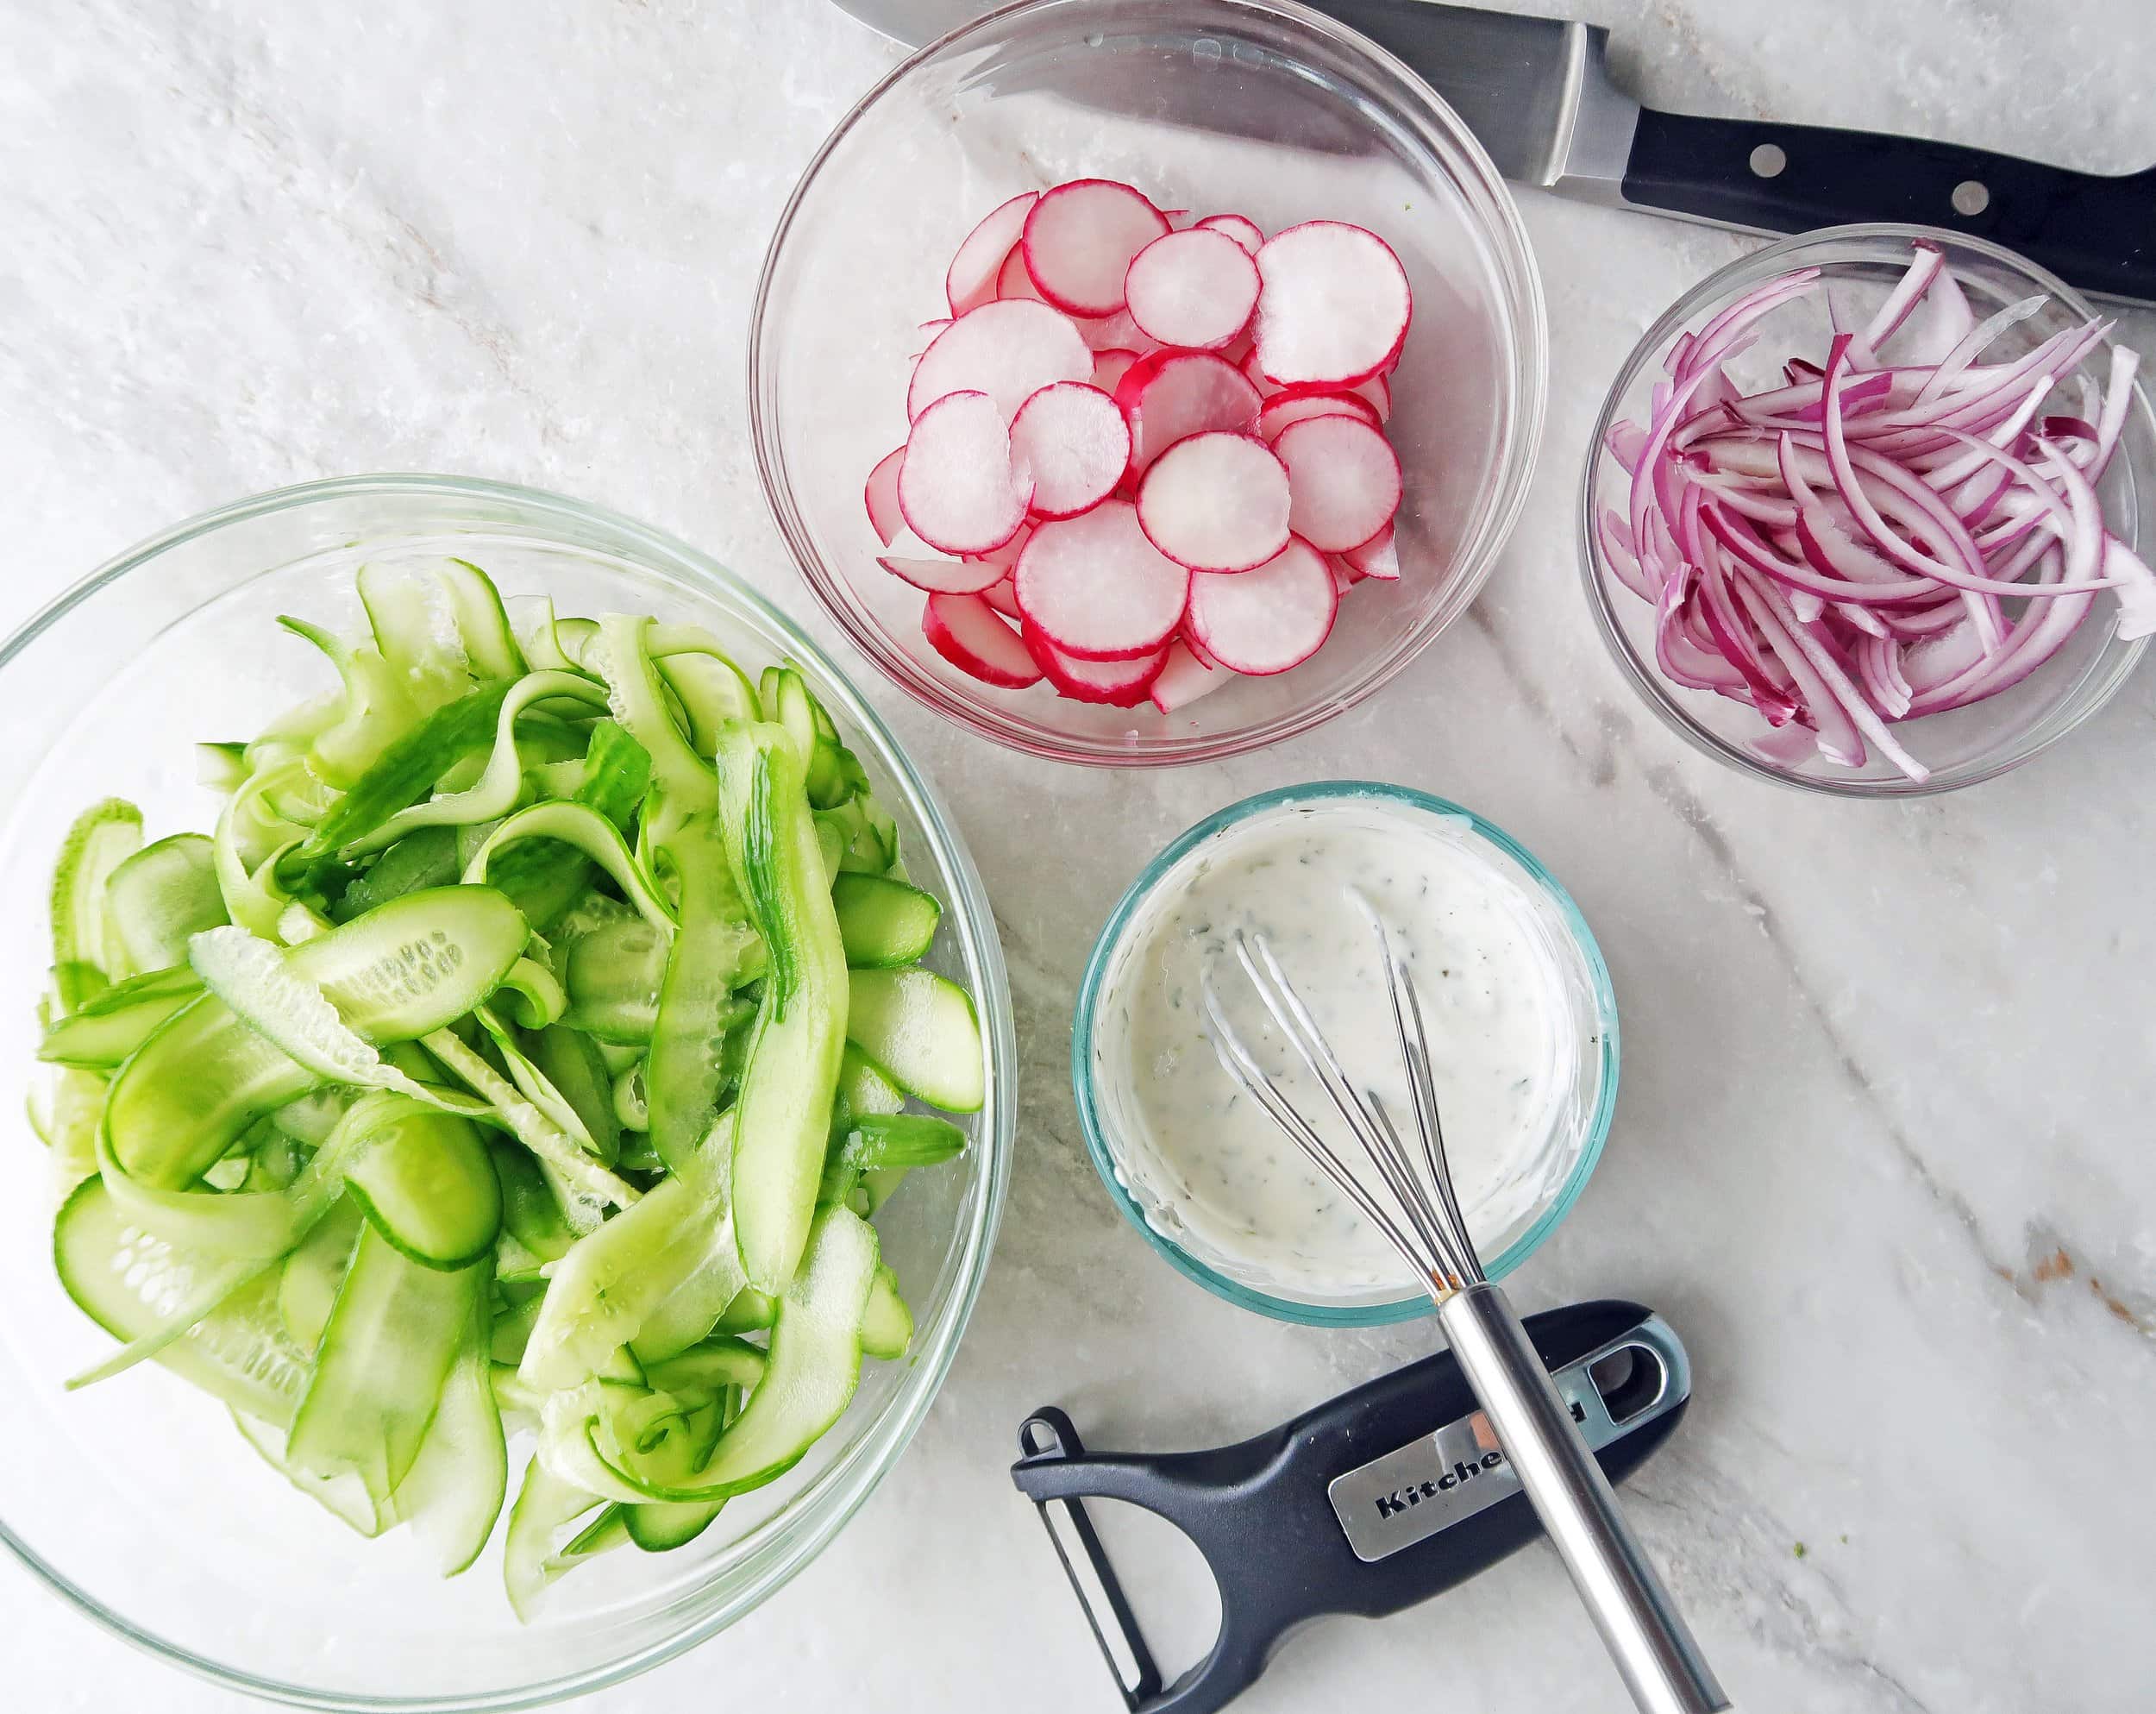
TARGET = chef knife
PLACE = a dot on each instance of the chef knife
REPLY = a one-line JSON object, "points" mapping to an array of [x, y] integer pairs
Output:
{"points": [[1537, 94]]}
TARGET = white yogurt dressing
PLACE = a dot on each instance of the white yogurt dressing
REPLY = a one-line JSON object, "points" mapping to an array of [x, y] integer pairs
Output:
{"points": [[1208, 1166]]}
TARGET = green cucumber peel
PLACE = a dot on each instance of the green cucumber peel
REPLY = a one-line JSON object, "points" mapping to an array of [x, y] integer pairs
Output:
{"points": [[408, 768], [103, 837]]}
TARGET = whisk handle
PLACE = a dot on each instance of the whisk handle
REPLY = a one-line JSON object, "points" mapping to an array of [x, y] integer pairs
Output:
{"points": [[1646, 1637]]}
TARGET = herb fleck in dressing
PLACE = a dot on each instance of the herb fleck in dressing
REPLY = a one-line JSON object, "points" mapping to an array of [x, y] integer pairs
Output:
{"points": [[1209, 1166]]}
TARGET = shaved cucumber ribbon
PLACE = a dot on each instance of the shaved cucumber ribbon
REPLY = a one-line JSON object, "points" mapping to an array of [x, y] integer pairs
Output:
{"points": [[589, 831], [494, 793], [83, 948]]}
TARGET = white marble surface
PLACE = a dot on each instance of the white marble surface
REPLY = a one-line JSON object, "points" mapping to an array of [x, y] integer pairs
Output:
{"points": [[1882, 1152]]}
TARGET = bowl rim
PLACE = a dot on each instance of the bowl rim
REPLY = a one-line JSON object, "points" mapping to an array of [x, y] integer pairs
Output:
{"points": [[848, 1483], [1709, 294], [1093, 1125], [1516, 269]]}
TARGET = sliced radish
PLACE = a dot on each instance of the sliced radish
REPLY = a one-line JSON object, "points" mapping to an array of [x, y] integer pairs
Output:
{"points": [[965, 631], [1005, 557], [880, 495], [1336, 304], [1267, 388], [1183, 678], [1110, 366], [1003, 597], [1290, 406], [1246, 232], [1378, 558], [1095, 587], [1075, 441], [1198, 650], [945, 577], [1080, 238], [1216, 502], [1117, 332], [1179, 217], [1006, 350], [958, 487], [1122, 684], [1345, 576], [1268, 620], [1377, 393], [1345, 478], [1014, 281], [971, 281], [1195, 289], [929, 330], [1174, 394]]}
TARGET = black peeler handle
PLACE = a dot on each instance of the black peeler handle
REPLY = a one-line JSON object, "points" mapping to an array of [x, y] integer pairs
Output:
{"points": [[1368, 1504]]}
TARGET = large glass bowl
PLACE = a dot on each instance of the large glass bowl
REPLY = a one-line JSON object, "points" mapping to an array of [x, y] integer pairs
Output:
{"points": [[1553, 1176], [1860, 265], [1262, 107], [135, 1499]]}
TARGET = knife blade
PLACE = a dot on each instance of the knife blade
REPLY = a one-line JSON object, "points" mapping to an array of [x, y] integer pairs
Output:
{"points": [[1537, 94]]}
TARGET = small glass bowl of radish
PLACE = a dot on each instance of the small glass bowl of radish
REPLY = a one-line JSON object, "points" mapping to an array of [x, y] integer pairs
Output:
{"points": [[1869, 512], [1143, 383]]}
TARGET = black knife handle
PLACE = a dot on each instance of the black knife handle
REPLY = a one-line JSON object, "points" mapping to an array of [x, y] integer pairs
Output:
{"points": [[2097, 234]]}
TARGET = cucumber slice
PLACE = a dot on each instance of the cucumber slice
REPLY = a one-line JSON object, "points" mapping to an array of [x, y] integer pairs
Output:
{"points": [[545, 1506], [570, 1061], [687, 1067], [106, 1028], [404, 770], [544, 877], [812, 1368], [863, 1089], [424, 858], [423, 1180], [159, 896], [134, 1286], [392, 1335], [188, 1092], [708, 1367], [407, 638], [344, 1498], [920, 1031], [883, 923], [583, 829], [711, 688], [455, 1490], [751, 1311], [103, 836], [600, 1293], [782, 1116], [529, 1212], [658, 1529], [307, 1284], [613, 976], [695, 1302], [489, 644], [887, 1325], [416, 962]]}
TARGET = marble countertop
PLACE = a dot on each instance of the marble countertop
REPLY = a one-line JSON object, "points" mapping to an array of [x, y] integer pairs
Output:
{"points": [[1881, 1150]]}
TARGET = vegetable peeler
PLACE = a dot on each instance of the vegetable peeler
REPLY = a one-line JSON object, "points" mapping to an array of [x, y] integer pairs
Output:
{"points": [[1392, 1492]]}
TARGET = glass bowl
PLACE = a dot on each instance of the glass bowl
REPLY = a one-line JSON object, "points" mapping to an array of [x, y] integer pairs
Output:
{"points": [[1962, 746], [1258, 106], [135, 1498], [1580, 1119]]}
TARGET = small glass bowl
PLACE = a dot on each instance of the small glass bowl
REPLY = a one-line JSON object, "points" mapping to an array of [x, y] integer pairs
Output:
{"points": [[1258, 106], [1571, 1151], [1861, 265], [135, 1500]]}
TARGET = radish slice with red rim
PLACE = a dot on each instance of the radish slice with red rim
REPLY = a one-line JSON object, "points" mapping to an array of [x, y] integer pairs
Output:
{"points": [[1266, 387], [880, 495], [1109, 368], [1265, 621], [1183, 678], [1122, 684], [1290, 406], [1003, 597], [1076, 443], [1216, 502], [1014, 281], [1336, 304], [1345, 480], [1005, 556], [1246, 232], [944, 577], [1117, 332], [1172, 395], [1095, 587], [1345, 576], [1378, 558], [958, 487], [1195, 289], [1080, 238], [965, 631], [1006, 349], [972, 280]]}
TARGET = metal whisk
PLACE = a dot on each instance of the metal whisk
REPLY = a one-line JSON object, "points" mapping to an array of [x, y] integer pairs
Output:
{"points": [[1647, 1638]]}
